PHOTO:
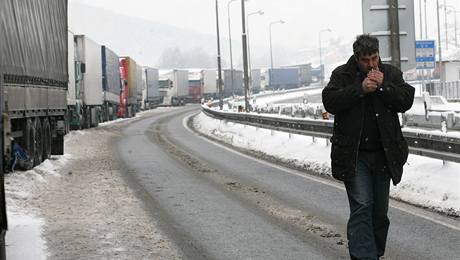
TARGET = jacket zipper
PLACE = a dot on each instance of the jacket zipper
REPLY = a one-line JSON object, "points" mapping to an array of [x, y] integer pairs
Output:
{"points": [[360, 133]]}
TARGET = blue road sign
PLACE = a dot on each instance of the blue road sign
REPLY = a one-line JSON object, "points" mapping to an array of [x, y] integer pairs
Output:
{"points": [[425, 54]]}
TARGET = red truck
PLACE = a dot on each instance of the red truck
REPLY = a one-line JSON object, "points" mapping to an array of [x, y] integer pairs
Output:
{"points": [[131, 90]]}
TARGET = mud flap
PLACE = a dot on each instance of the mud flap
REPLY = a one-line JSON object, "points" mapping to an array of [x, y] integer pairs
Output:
{"points": [[57, 145], [57, 141]]}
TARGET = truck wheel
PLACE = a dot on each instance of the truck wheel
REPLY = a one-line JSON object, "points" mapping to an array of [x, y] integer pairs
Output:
{"points": [[38, 141], [95, 113], [87, 118], [46, 139], [28, 143], [68, 116], [83, 119]]}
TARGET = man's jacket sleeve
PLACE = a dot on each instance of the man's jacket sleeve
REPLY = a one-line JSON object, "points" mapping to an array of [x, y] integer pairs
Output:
{"points": [[338, 97], [396, 94]]}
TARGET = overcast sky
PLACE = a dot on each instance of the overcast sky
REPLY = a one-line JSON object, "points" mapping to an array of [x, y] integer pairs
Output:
{"points": [[304, 18]]}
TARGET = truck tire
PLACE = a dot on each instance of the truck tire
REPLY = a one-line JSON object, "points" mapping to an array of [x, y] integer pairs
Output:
{"points": [[28, 143], [86, 118], [95, 113], [68, 116], [46, 139], [38, 155], [134, 112]]}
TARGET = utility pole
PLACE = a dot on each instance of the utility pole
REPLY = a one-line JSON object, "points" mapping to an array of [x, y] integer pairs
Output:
{"points": [[230, 45], [393, 19], [445, 25], [3, 212], [420, 19], [271, 49], [260, 12], [321, 65], [245, 58], [426, 26], [454, 12], [439, 42], [219, 65]]}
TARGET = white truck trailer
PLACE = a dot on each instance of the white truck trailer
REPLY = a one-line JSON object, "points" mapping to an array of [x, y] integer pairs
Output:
{"points": [[174, 87], [88, 54]]}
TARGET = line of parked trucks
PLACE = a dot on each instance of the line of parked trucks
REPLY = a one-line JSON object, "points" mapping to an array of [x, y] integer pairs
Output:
{"points": [[103, 86], [53, 81]]}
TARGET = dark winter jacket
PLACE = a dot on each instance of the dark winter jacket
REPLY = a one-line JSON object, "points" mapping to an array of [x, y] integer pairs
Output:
{"points": [[343, 97]]}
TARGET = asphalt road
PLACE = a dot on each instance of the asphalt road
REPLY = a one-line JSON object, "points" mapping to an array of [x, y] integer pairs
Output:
{"points": [[214, 203]]}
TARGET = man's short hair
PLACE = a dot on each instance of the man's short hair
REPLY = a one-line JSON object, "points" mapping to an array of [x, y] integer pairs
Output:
{"points": [[365, 45]]}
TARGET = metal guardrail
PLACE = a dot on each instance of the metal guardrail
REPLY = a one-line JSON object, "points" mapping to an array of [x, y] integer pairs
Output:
{"points": [[436, 146], [449, 90]]}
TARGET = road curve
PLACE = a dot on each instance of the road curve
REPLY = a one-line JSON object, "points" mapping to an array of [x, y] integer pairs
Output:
{"points": [[218, 204]]}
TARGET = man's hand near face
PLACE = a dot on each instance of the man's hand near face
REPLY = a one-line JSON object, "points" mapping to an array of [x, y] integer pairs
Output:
{"points": [[376, 76], [369, 85]]}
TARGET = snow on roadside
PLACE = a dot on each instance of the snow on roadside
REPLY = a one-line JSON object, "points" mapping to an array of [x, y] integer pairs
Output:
{"points": [[275, 96], [24, 227], [287, 96], [426, 182]]}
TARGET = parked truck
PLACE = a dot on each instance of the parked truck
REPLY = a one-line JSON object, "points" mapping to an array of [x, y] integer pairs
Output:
{"points": [[131, 79], [34, 74], [283, 78], [195, 86], [174, 87], [111, 84], [33, 84], [234, 87], [74, 114], [152, 92], [305, 73], [88, 82], [255, 81], [209, 81]]}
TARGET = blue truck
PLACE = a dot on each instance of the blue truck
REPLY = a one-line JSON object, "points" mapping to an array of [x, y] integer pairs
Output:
{"points": [[283, 78], [111, 84]]}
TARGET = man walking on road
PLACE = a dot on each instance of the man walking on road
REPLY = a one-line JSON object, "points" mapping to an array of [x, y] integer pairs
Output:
{"points": [[368, 148]]}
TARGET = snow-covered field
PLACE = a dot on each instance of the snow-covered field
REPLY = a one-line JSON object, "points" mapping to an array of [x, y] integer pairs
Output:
{"points": [[426, 182]]}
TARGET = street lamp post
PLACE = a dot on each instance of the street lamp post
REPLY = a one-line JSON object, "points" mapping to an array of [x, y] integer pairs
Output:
{"points": [[439, 42], [260, 12], [271, 48], [245, 58], [420, 18], [426, 28], [230, 44], [445, 25], [219, 65], [320, 55], [270, 35], [456, 43], [455, 22]]}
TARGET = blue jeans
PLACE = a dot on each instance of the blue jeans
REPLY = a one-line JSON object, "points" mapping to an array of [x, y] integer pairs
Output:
{"points": [[368, 193]]}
